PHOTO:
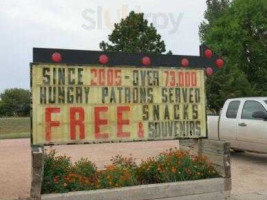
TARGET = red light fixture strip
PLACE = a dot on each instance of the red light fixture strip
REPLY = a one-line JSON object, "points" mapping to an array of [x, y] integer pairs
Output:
{"points": [[207, 60]]}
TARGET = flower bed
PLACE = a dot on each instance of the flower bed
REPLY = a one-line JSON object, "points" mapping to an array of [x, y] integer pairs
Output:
{"points": [[61, 176]]}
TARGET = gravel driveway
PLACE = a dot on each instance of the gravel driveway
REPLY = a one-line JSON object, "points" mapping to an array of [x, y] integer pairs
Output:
{"points": [[249, 171]]}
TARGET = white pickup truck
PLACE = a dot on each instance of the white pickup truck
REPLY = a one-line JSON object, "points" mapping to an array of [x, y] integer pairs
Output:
{"points": [[242, 122]]}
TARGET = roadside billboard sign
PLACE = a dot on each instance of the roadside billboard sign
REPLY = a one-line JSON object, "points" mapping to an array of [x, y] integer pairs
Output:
{"points": [[92, 102], [108, 104]]}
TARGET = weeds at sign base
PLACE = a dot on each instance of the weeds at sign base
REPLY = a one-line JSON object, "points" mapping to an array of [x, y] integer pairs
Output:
{"points": [[60, 175]]}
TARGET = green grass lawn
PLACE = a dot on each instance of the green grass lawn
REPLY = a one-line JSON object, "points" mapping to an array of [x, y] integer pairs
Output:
{"points": [[14, 135], [11, 128]]}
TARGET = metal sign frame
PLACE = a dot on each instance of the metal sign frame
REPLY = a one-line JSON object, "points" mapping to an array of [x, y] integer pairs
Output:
{"points": [[79, 57], [117, 59]]}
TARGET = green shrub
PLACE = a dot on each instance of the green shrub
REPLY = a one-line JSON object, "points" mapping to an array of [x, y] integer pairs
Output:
{"points": [[124, 162], [174, 166], [114, 176], [84, 167], [120, 173], [55, 169], [60, 175]]}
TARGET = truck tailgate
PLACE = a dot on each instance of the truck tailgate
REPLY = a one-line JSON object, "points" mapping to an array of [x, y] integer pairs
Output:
{"points": [[213, 122]]}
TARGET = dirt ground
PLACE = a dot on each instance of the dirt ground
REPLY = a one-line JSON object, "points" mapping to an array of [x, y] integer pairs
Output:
{"points": [[249, 171]]}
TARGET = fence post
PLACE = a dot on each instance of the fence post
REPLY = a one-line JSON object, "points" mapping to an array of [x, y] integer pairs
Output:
{"points": [[37, 171]]}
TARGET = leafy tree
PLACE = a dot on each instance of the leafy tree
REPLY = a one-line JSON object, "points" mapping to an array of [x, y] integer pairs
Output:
{"points": [[133, 34], [230, 82], [236, 31], [15, 102], [215, 9]]}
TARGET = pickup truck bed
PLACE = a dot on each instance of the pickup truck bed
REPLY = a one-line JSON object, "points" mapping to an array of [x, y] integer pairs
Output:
{"points": [[213, 127]]}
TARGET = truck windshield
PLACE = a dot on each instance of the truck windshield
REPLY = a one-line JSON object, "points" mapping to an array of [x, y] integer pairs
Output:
{"points": [[265, 101]]}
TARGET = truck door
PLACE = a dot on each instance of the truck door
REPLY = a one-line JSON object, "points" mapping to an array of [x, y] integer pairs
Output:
{"points": [[228, 122], [252, 133]]}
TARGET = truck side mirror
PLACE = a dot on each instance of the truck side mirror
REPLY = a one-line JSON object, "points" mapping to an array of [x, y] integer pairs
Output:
{"points": [[260, 115]]}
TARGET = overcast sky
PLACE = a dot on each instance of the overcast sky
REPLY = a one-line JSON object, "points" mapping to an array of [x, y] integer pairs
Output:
{"points": [[75, 24]]}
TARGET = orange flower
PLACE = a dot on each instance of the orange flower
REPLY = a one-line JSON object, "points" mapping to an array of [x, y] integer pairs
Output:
{"points": [[127, 176], [110, 167], [173, 170]]}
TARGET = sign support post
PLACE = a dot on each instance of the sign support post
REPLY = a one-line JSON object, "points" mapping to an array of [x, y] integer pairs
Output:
{"points": [[37, 169]]}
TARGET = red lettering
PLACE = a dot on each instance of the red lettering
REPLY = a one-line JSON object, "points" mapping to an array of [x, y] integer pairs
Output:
{"points": [[194, 78], [99, 122], [93, 72], [140, 132], [181, 79], [187, 79], [101, 77], [49, 122], [118, 77], [76, 122], [122, 122], [110, 77], [172, 76]]}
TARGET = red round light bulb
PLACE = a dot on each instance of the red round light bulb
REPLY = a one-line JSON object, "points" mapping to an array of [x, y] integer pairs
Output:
{"points": [[219, 63], [208, 53], [185, 62], [209, 71], [56, 57], [146, 61], [103, 59]]}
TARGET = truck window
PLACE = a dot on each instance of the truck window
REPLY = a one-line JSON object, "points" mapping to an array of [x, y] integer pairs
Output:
{"points": [[232, 109], [249, 108]]}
